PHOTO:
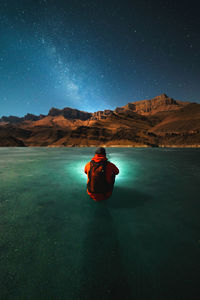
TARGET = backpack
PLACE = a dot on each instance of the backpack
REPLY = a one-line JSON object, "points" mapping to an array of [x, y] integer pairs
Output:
{"points": [[97, 183]]}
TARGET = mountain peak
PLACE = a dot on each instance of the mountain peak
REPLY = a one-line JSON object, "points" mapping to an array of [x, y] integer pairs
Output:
{"points": [[161, 96], [157, 104], [69, 113]]}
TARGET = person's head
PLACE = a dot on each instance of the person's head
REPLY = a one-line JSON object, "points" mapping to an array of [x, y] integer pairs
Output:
{"points": [[101, 151]]}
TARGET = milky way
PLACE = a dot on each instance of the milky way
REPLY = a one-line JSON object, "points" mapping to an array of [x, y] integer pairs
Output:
{"points": [[94, 55]]}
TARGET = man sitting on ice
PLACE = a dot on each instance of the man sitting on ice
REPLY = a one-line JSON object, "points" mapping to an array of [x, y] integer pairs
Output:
{"points": [[101, 176]]}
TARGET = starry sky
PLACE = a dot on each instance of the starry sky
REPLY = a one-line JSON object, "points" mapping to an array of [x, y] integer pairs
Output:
{"points": [[94, 54]]}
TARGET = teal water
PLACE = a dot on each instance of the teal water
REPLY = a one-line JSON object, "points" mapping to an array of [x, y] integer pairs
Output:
{"points": [[57, 243]]}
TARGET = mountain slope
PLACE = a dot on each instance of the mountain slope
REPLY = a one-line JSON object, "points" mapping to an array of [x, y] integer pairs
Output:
{"points": [[161, 121]]}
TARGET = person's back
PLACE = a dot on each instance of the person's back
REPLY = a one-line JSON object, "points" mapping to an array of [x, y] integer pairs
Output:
{"points": [[101, 176]]}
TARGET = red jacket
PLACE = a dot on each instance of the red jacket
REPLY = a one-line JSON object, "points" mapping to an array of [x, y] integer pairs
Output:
{"points": [[111, 170]]}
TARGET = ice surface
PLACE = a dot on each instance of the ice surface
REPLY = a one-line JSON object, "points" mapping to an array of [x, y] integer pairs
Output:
{"points": [[57, 243]]}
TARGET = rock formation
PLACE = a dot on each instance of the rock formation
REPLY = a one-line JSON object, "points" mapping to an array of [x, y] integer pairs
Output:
{"points": [[69, 113], [161, 121], [155, 105]]}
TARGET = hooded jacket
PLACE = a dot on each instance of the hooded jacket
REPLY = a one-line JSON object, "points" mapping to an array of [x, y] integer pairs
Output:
{"points": [[111, 171]]}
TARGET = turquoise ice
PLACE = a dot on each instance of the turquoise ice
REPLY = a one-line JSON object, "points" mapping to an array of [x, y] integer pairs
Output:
{"points": [[57, 243]]}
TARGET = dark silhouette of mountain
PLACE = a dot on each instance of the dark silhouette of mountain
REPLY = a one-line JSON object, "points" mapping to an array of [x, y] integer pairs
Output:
{"points": [[161, 121], [69, 113], [27, 117]]}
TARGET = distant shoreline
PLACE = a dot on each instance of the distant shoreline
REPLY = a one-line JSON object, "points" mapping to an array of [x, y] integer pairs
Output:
{"points": [[106, 146], [126, 146]]}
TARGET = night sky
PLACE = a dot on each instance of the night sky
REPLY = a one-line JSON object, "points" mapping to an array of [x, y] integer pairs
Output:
{"points": [[95, 54]]}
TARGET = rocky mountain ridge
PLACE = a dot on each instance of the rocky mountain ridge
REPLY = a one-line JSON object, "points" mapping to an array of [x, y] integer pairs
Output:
{"points": [[157, 122], [153, 106], [143, 107]]}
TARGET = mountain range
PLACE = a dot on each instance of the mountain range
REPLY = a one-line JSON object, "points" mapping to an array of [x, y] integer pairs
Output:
{"points": [[158, 122]]}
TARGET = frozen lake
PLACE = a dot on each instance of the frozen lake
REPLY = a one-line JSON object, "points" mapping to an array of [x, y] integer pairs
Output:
{"points": [[57, 243]]}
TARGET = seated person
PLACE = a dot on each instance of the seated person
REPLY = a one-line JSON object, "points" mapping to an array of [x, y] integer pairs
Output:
{"points": [[101, 176]]}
